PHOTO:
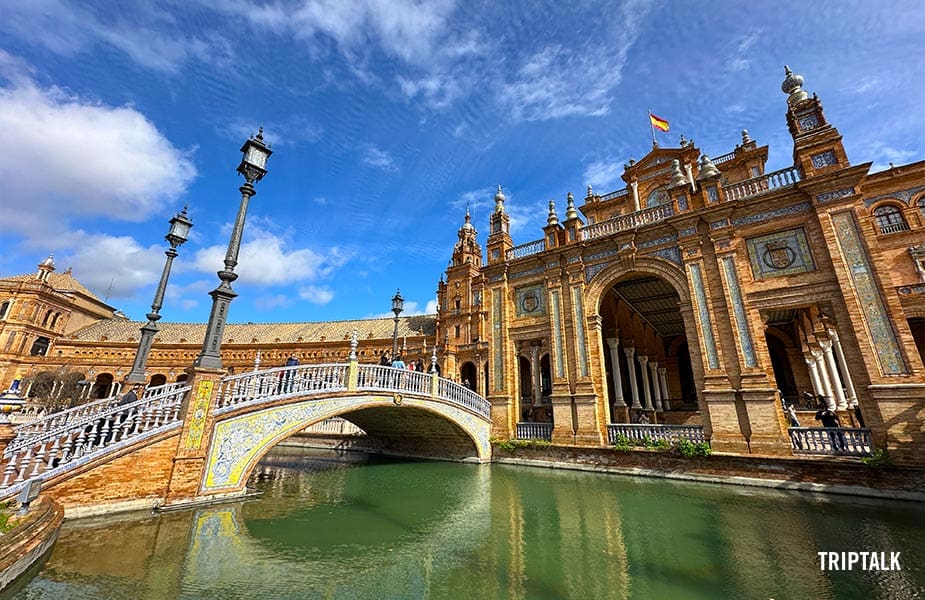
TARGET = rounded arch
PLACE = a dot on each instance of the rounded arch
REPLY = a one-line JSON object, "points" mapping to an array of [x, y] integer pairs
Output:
{"points": [[240, 440], [616, 272], [468, 374], [888, 216], [158, 379]]}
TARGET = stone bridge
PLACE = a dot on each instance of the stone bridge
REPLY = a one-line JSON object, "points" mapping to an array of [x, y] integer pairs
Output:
{"points": [[198, 441]]}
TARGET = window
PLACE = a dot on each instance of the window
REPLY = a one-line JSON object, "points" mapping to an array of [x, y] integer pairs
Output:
{"points": [[456, 330], [890, 219], [4, 309], [40, 347], [921, 204], [755, 171], [712, 194]]}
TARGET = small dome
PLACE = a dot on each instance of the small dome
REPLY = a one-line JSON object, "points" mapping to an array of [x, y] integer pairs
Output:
{"points": [[793, 86], [467, 226], [48, 262], [499, 197]]}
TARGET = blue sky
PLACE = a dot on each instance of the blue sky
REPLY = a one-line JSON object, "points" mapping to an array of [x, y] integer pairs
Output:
{"points": [[387, 117]]}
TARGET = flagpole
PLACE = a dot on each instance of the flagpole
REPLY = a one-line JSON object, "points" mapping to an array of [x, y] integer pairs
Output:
{"points": [[652, 127]]}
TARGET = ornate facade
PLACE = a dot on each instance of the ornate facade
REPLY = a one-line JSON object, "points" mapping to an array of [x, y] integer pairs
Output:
{"points": [[702, 293]]}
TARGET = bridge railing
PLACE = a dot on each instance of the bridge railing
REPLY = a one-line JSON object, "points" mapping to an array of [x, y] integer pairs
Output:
{"points": [[459, 394], [382, 378], [58, 446], [280, 382]]}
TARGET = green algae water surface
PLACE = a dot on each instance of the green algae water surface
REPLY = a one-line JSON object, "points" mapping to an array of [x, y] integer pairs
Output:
{"points": [[344, 527]]}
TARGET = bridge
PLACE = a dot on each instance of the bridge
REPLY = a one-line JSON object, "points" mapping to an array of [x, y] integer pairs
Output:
{"points": [[190, 442]]}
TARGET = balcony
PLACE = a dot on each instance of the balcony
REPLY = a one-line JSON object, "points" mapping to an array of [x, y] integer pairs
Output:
{"points": [[626, 222], [894, 228], [837, 441], [762, 184], [528, 249], [534, 431]]}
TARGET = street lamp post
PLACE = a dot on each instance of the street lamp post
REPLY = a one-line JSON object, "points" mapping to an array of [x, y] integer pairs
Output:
{"points": [[398, 304], [180, 225], [253, 168]]}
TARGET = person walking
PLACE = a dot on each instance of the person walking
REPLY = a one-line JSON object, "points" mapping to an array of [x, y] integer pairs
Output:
{"points": [[292, 361], [830, 420]]}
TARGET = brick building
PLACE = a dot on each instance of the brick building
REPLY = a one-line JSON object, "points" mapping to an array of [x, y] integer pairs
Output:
{"points": [[703, 292]]}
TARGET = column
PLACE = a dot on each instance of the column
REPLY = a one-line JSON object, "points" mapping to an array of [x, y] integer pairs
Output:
{"points": [[643, 359], [535, 371], [656, 392], [614, 344], [833, 374], [824, 379], [634, 188], [663, 383], [843, 365], [632, 371], [814, 375]]}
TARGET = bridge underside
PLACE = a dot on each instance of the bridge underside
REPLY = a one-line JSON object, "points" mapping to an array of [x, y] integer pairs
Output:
{"points": [[398, 430]]}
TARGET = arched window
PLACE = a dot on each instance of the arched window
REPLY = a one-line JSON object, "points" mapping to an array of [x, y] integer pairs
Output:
{"points": [[657, 197], [45, 320], [4, 309], [39, 347], [920, 203], [890, 219]]}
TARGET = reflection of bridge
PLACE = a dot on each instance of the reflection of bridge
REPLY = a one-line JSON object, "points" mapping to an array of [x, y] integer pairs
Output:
{"points": [[187, 442]]}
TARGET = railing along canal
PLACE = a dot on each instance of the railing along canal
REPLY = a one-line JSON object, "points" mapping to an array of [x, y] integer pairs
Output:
{"points": [[839, 441], [534, 431], [669, 433]]}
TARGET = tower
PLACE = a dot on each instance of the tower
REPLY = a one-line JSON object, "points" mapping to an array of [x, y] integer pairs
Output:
{"points": [[817, 145], [499, 238]]}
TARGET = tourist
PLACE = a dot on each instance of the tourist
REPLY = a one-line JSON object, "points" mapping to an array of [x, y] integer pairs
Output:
{"points": [[830, 420], [642, 418], [397, 362], [385, 359], [419, 365], [792, 415]]}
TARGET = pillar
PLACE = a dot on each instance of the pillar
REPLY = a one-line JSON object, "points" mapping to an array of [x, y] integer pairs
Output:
{"points": [[823, 372], [814, 375], [632, 372], [634, 188], [663, 383], [643, 359], [833, 374], [535, 373], [614, 344], [852, 399], [656, 391]]}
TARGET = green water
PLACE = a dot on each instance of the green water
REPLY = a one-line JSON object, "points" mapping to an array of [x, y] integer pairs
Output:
{"points": [[329, 528]]}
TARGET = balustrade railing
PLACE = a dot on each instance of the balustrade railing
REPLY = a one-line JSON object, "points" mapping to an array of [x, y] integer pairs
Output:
{"points": [[56, 446], [630, 221], [280, 382], [669, 433], [894, 228], [615, 194], [534, 431], [528, 249], [761, 184], [723, 158], [837, 441], [334, 426], [458, 394]]}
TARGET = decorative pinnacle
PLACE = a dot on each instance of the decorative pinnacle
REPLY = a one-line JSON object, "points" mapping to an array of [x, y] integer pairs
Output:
{"points": [[707, 169], [354, 342], [570, 212], [552, 219], [499, 200], [677, 177], [590, 191], [793, 86], [259, 136], [745, 137]]}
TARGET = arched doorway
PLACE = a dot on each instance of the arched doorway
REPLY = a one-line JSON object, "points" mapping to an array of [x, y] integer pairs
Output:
{"points": [[182, 377], [158, 379], [525, 385], [102, 386], [647, 364], [468, 375]]}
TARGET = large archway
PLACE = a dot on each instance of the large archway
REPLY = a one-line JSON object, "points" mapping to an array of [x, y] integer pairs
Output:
{"points": [[649, 367]]}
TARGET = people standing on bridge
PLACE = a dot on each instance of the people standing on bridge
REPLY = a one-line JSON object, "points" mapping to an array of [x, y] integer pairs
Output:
{"points": [[292, 361], [419, 365], [398, 363], [112, 423]]}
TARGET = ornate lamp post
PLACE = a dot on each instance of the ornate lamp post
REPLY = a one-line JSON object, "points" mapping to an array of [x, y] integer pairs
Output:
{"points": [[253, 168], [176, 236], [398, 304]]}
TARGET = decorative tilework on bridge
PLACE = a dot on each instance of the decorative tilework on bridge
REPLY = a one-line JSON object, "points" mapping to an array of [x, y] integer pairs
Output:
{"points": [[239, 442]]}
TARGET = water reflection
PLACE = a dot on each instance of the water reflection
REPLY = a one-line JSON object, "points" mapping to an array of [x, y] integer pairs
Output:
{"points": [[335, 529]]}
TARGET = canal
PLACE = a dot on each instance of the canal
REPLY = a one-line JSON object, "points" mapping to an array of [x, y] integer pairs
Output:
{"points": [[352, 527]]}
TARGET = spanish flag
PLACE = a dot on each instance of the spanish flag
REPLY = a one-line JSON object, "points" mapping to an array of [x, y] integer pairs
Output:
{"points": [[658, 123]]}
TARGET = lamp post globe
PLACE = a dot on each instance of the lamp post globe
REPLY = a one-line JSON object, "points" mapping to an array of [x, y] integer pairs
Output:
{"points": [[253, 167], [398, 304], [176, 236]]}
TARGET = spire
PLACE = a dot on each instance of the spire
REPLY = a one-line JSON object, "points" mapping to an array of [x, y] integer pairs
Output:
{"points": [[499, 201], [590, 191], [793, 87], [746, 139], [570, 212], [677, 177], [467, 226], [552, 219], [46, 267], [707, 169]]}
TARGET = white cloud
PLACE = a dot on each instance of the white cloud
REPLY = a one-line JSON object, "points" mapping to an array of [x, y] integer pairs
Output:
{"points": [[267, 303], [379, 159], [603, 175], [266, 259], [146, 34], [316, 295], [74, 157], [117, 267]]}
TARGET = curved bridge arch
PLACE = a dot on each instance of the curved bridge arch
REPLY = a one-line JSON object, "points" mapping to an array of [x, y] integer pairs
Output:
{"points": [[241, 439]]}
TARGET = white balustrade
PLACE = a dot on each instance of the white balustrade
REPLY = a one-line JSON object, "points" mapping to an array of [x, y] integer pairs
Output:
{"points": [[629, 221]]}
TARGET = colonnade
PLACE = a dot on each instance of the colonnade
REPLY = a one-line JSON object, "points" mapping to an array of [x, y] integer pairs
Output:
{"points": [[651, 388], [829, 373]]}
